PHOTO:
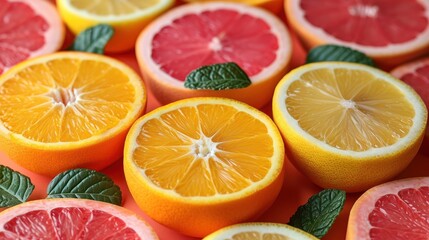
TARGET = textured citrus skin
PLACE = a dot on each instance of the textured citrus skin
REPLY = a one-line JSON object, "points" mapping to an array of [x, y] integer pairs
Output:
{"points": [[98, 153], [350, 172], [126, 31], [195, 216]]}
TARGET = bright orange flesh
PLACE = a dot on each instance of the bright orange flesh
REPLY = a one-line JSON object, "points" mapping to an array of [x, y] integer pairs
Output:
{"points": [[67, 106], [200, 164]]}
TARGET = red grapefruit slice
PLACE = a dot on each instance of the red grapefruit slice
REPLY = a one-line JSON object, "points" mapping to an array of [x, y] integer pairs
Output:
{"points": [[395, 210], [390, 31], [416, 74], [72, 219], [194, 35], [28, 29]]}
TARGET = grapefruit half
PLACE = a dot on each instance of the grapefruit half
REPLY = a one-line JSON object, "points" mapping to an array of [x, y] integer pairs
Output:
{"points": [[199, 34], [72, 219], [416, 74], [28, 29], [390, 31], [394, 210]]}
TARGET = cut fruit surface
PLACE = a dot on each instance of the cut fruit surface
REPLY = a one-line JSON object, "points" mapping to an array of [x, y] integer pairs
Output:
{"points": [[28, 29], [415, 74], [127, 17], [394, 210], [274, 6], [348, 126], [200, 164], [68, 110], [391, 32], [259, 231], [195, 35], [72, 219]]}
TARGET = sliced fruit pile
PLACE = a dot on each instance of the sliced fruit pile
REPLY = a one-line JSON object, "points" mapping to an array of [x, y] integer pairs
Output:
{"points": [[205, 161]]}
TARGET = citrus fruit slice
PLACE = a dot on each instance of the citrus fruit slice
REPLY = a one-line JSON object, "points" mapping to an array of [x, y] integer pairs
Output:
{"points": [[391, 32], [72, 219], [67, 110], [28, 29], [127, 17], [274, 6], [195, 35], [393, 210], [415, 74], [200, 164], [348, 126], [258, 231]]}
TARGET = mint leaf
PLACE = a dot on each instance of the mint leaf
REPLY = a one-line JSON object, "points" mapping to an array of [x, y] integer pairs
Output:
{"points": [[93, 39], [217, 77], [15, 188], [319, 213], [85, 183], [339, 53]]}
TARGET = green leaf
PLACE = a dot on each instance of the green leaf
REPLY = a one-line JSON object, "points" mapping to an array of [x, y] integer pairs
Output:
{"points": [[15, 188], [339, 53], [93, 39], [85, 183], [319, 213], [218, 77]]}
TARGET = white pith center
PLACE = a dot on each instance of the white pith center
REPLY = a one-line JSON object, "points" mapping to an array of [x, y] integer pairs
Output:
{"points": [[204, 148], [363, 11], [64, 96], [215, 44], [348, 104]]}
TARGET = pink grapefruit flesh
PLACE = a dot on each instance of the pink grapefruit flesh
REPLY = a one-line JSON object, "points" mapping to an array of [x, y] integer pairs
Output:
{"points": [[375, 23], [28, 29], [214, 36], [395, 210], [72, 219]]}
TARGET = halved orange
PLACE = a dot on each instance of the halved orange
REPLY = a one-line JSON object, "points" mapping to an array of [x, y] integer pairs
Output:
{"points": [[68, 110], [200, 164], [348, 126]]}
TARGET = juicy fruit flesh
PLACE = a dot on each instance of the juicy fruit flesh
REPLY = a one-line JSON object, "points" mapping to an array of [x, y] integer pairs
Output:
{"points": [[349, 109], [113, 7], [66, 223], [374, 23], [418, 80], [65, 100], [18, 23], [216, 36], [258, 236], [403, 215], [195, 151]]}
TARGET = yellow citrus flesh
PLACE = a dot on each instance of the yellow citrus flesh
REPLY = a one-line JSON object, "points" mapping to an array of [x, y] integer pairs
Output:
{"points": [[127, 17], [260, 231], [68, 110], [200, 164], [347, 125]]}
